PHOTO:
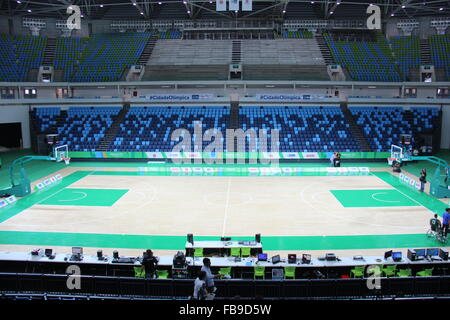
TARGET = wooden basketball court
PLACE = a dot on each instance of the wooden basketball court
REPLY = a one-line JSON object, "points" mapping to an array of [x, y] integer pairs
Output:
{"points": [[132, 209]]}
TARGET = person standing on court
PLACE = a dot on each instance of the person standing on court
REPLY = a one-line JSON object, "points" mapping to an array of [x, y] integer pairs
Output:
{"points": [[149, 262], [337, 160], [445, 219], [423, 179], [332, 159]]}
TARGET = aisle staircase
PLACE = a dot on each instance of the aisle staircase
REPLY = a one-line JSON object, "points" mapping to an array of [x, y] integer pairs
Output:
{"points": [[147, 52], [236, 54], [324, 49], [356, 130], [425, 52], [114, 129]]}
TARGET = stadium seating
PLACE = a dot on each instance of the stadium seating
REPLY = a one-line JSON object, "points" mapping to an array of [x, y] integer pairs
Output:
{"points": [[365, 60], [44, 118], [382, 126], [106, 56], [407, 54], [150, 128], [301, 129], [440, 52], [85, 127], [67, 53], [20, 54], [299, 34], [171, 34]]}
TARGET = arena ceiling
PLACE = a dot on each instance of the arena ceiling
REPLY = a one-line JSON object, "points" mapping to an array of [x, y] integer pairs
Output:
{"points": [[205, 9]]}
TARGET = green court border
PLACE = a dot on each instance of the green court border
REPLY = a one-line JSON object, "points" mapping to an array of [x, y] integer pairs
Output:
{"points": [[342, 242]]}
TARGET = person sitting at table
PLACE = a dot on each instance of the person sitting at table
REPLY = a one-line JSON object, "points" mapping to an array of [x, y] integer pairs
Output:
{"points": [[149, 263]]}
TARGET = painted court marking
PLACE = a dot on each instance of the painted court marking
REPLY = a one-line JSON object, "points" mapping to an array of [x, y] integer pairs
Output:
{"points": [[328, 212], [84, 195], [373, 197]]}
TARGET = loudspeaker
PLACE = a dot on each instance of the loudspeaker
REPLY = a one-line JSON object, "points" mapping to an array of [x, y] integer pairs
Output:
{"points": [[100, 255], [190, 238], [258, 237], [116, 254]]}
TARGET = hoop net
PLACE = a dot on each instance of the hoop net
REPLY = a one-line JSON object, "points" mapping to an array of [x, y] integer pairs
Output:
{"points": [[66, 160]]}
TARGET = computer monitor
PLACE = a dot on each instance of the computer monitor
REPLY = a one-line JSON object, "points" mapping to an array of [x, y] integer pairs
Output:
{"points": [[48, 252], [77, 251], [292, 258], [420, 253], [431, 252], [387, 254], [306, 258], [262, 256], [397, 256], [276, 259]]}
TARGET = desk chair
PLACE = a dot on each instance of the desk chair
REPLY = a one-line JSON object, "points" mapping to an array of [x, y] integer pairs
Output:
{"points": [[198, 252], [162, 274], [225, 271], [259, 272], [357, 272], [425, 273], [245, 252], [403, 273], [139, 272], [289, 272], [390, 270], [235, 252]]}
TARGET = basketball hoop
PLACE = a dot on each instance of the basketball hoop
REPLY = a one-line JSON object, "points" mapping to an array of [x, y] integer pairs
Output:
{"points": [[391, 161], [66, 160]]}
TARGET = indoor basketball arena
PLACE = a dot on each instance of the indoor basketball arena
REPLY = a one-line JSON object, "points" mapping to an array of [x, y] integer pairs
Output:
{"points": [[225, 150]]}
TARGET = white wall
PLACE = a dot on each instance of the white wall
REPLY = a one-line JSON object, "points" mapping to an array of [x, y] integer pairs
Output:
{"points": [[10, 114]]}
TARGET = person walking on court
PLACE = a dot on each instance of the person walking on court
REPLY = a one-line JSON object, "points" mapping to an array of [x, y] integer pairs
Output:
{"points": [[423, 179], [445, 219], [149, 262], [435, 224]]}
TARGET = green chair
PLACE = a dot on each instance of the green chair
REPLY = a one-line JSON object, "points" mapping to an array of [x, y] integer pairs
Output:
{"points": [[162, 274], [425, 273], [375, 271], [235, 252], [225, 271], [245, 252], [403, 273], [259, 272], [389, 270], [139, 272], [289, 272], [357, 272], [198, 252]]}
